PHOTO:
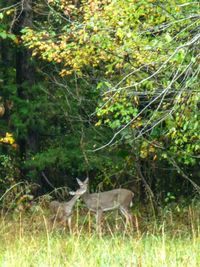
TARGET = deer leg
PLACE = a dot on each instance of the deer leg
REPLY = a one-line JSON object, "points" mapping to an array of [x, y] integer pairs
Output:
{"points": [[56, 217], [52, 221], [99, 214], [66, 220], [69, 221], [52, 218], [127, 215]]}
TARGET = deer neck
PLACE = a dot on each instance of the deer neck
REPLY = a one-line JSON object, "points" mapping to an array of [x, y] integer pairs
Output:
{"points": [[73, 200], [85, 196]]}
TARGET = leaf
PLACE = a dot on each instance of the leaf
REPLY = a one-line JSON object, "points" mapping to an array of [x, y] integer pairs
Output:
{"points": [[168, 37], [3, 35]]}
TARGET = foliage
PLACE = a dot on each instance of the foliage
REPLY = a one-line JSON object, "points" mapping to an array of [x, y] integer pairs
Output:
{"points": [[145, 56], [8, 172], [4, 33], [8, 139], [117, 77]]}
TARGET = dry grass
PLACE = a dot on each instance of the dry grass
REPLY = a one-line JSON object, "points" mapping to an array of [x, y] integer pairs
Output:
{"points": [[172, 239]]}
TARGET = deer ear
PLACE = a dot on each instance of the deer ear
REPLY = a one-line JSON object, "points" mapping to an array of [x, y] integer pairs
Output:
{"points": [[86, 180], [72, 193], [79, 182]]}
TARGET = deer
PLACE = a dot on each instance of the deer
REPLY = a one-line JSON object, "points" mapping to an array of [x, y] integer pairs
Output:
{"points": [[106, 201], [62, 211]]}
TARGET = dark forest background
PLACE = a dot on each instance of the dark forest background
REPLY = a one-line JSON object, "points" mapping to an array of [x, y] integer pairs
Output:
{"points": [[102, 89]]}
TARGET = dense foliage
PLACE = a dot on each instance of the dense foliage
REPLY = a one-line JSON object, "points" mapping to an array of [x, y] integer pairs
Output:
{"points": [[108, 89]]}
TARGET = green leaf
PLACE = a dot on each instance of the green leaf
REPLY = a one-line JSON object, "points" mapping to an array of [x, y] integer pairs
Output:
{"points": [[168, 37], [3, 35]]}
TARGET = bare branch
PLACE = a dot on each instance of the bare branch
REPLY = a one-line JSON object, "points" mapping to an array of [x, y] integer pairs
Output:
{"points": [[161, 95]]}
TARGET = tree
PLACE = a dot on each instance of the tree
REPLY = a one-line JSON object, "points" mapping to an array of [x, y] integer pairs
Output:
{"points": [[139, 61]]}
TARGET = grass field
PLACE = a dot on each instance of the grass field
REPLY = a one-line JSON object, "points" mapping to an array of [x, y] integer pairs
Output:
{"points": [[170, 240]]}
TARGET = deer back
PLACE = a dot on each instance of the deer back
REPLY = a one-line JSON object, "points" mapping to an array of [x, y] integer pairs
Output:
{"points": [[108, 200]]}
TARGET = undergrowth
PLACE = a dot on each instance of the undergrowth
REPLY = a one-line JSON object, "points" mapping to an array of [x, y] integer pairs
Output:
{"points": [[169, 238]]}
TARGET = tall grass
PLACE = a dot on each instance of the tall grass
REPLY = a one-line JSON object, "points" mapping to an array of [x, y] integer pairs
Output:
{"points": [[170, 239]]}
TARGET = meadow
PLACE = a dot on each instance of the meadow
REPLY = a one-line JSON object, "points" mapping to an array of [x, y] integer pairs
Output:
{"points": [[171, 238]]}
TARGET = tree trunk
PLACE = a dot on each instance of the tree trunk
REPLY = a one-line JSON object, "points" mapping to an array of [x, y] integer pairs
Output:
{"points": [[25, 73]]}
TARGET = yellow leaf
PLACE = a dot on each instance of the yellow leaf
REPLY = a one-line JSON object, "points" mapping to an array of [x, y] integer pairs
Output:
{"points": [[155, 157]]}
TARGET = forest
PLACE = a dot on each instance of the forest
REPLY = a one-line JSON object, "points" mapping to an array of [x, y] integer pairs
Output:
{"points": [[106, 90]]}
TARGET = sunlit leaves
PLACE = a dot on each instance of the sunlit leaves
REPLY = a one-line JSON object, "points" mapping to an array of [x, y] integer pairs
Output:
{"points": [[185, 131], [109, 35], [8, 139], [145, 53]]}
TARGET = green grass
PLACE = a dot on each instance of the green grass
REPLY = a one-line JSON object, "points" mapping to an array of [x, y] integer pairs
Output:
{"points": [[26, 241], [65, 250]]}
